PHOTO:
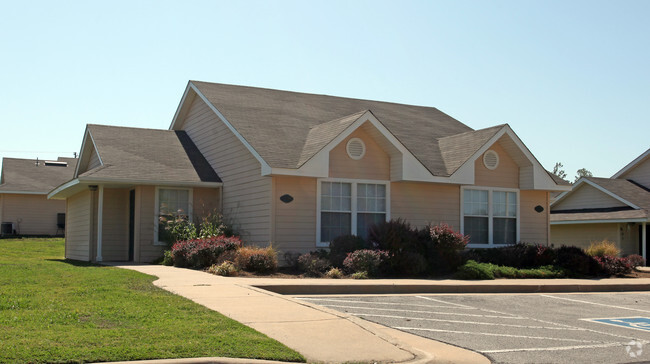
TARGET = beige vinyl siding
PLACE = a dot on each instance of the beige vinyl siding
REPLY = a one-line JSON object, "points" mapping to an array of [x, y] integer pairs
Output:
{"points": [[375, 164], [32, 214], [94, 161], [295, 222], [629, 239], [639, 174], [585, 197], [205, 201], [533, 225], [145, 223], [506, 174], [1, 208], [246, 194], [115, 226], [581, 235], [77, 234], [424, 203]]}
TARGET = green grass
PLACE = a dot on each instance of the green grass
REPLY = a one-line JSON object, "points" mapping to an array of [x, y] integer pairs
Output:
{"points": [[53, 310]]}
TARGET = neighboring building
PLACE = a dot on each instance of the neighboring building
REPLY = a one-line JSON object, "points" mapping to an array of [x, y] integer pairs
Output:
{"points": [[298, 170], [24, 185], [615, 209]]}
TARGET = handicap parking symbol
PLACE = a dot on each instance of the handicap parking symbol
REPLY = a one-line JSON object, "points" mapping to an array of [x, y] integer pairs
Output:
{"points": [[638, 323]]}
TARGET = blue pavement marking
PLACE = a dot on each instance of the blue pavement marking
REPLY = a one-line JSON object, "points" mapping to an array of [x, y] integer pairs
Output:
{"points": [[639, 323]]}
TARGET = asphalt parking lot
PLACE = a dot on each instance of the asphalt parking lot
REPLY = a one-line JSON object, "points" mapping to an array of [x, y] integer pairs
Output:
{"points": [[517, 328]]}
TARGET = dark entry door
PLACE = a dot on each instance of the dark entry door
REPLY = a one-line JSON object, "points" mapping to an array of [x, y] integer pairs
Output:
{"points": [[131, 223]]}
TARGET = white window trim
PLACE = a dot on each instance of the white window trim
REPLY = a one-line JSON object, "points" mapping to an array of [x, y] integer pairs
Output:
{"points": [[155, 209], [353, 203], [490, 243]]}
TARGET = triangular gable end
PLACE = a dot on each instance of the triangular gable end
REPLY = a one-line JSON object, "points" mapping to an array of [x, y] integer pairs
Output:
{"points": [[532, 176], [89, 157], [583, 182], [638, 160]]}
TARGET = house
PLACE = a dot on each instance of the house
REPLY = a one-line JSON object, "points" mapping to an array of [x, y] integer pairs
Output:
{"points": [[24, 185], [615, 209], [298, 170]]}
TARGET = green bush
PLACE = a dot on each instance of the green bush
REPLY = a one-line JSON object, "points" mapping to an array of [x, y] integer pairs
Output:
{"points": [[168, 258], [312, 264], [359, 275], [226, 269], [520, 255], [342, 245], [603, 248], [257, 260], [472, 270], [334, 273]]}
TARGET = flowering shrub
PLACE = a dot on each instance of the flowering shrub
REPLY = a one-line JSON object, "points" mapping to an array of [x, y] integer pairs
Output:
{"points": [[201, 253], [365, 260], [636, 260], [614, 266], [444, 247], [342, 245], [312, 264], [258, 260], [178, 227]]}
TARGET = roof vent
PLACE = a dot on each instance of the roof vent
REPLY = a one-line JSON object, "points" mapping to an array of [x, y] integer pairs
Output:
{"points": [[491, 159], [56, 163], [356, 148]]}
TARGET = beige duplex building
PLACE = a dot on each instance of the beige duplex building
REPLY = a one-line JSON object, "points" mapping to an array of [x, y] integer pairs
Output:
{"points": [[297, 170]]}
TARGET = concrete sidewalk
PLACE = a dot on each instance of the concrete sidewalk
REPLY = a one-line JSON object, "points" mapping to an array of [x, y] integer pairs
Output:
{"points": [[324, 335]]}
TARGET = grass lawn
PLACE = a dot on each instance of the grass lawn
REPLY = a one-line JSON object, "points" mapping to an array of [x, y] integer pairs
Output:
{"points": [[53, 310]]}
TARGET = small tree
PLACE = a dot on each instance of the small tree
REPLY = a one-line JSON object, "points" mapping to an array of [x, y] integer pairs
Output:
{"points": [[582, 172], [558, 170]]}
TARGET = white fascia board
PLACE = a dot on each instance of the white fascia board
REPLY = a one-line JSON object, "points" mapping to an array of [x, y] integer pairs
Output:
{"points": [[613, 221], [632, 164], [118, 181], [53, 194], [84, 146], [175, 120], [265, 166], [607, 192]]}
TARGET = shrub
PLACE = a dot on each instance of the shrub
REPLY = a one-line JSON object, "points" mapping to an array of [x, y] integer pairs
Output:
{"points": [[257, 260], [365, 260], [176, 227], [213, 224], [201, 253], [334, 273], [636, 260], [603, 248], [312, 264], [291, 259], [520, 255], [226, 269], [168, 259], [342, 245], [576, 260], [614, 266], [397, 238], [360, 275], [474, 271], [443, 248]]}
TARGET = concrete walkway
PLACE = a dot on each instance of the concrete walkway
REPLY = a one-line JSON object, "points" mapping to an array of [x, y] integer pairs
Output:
{"points": [[324, 335]]}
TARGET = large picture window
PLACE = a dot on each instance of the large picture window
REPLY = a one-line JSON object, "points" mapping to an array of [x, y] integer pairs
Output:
{"points": [[490, 216], [171, 203], [350, 207]]}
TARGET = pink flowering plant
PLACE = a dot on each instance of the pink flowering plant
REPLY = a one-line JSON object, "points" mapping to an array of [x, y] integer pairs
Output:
{"points": [[365, 260], [202, 252]]}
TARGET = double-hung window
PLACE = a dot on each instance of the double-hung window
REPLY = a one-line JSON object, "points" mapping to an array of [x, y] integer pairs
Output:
{"points": [[490, 216], [171, 203], [350, 207]]}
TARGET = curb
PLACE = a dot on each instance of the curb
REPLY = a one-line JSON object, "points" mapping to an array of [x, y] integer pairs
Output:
{"points": [[199, 361], [298, 289]]}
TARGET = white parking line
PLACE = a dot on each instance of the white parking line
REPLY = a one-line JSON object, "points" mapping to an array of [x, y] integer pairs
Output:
{"points": [[558, 348], [595, 303], [471, 322], [432, 312], [500, 335], [382, 303]]}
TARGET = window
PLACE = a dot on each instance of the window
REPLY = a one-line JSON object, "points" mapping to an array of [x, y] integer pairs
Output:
{"points": [[490, 216], [350, 208], [171, 203]]}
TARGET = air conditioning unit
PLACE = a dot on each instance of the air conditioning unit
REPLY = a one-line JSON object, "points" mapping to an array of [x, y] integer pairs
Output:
{"points": [[7, 228]]}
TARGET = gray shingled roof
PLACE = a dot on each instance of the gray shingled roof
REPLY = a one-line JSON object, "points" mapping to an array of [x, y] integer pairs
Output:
{"points": [[23, 175], [135, 154], [625, 189], [613, 215], [457, 149], [286, 128]]}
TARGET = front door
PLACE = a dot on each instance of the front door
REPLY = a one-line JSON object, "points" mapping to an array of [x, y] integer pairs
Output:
{"points": [[131, 223]]}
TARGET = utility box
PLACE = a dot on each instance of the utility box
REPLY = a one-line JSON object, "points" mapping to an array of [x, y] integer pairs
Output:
{"points": [[7, 228]]}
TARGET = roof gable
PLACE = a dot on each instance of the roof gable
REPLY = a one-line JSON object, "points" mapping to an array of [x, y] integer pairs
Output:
{"points": [[644, 157], [592, 192], [34, 177]]}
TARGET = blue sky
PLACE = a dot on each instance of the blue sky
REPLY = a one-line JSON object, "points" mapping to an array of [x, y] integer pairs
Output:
{"points": [[572, 78]]}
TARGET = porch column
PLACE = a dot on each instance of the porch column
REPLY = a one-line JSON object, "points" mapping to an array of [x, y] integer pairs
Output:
{"points": [[100, 217], [644, 242]]}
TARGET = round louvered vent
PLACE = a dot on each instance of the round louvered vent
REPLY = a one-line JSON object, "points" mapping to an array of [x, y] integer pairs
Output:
{"points": [[356, 148], [491, 159]]}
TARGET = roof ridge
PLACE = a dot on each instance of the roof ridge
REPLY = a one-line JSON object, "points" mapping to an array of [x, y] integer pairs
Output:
{"points": [[126, 127]]}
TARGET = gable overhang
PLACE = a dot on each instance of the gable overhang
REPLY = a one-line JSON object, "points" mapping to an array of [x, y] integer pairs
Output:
{"points": [[191, 92], [632, 164], [584, 181], [532, 175], [22, 193], [87, 146]]}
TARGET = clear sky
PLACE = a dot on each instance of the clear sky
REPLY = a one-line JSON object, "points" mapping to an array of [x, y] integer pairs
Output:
{"points": [[572, 78]]}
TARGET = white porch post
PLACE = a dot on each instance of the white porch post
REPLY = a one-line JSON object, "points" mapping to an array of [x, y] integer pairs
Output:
{"points": [[644, 241], [100, 217]]}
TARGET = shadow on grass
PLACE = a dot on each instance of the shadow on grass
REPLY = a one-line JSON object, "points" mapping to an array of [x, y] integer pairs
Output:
{"points": [[76, 263]]}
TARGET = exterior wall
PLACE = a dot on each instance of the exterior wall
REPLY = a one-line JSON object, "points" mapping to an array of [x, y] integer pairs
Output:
{"points": [[31, 214], [534, 226], [294, 227], [205, 201], [1, 209], [375, 164], [639, 174], [506, 174], [115, 226], [582, 235], [424, 203], [77, 226], [145, 223], [94, 160], [246, 194], [629, 239], [585, 197]]}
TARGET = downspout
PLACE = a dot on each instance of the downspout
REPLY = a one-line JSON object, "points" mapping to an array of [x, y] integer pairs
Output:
{"points": [[100, 217]]}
